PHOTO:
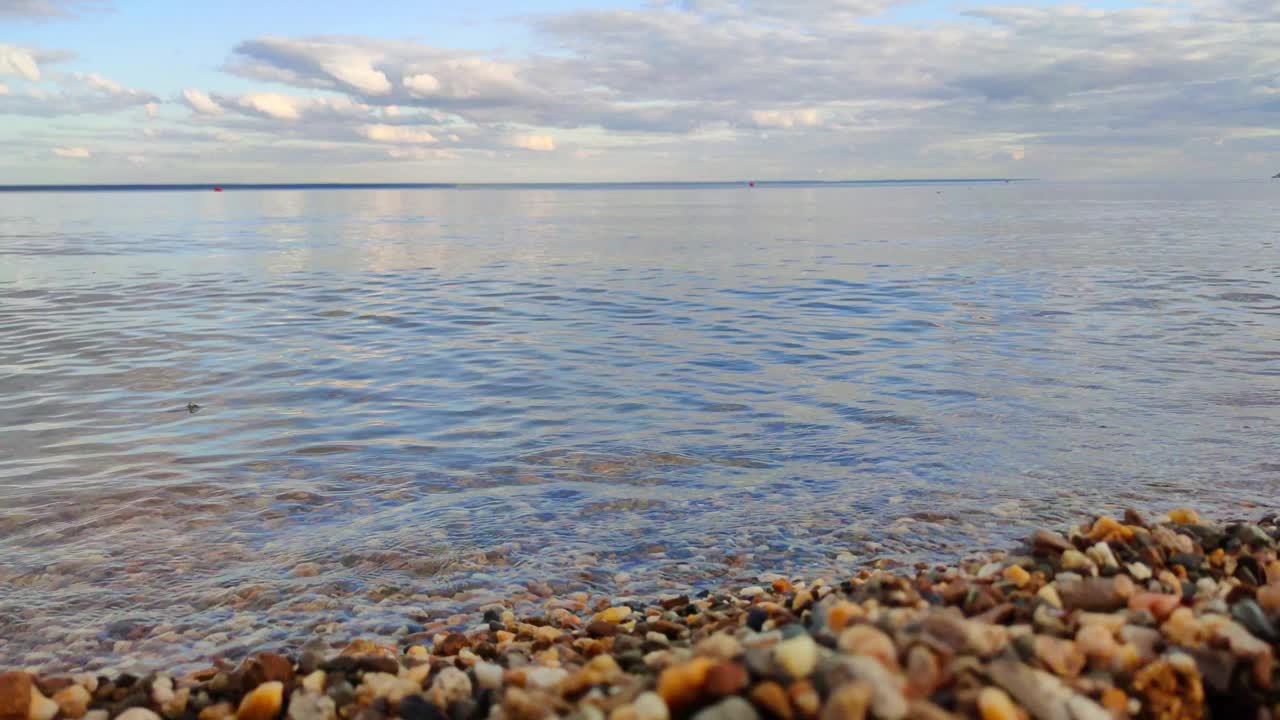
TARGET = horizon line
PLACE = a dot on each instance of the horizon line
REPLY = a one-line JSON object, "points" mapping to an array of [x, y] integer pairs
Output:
{"points": [[89, 187]]}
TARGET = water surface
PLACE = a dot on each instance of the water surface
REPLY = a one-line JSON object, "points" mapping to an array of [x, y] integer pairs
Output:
{"points": [[416, 401]]}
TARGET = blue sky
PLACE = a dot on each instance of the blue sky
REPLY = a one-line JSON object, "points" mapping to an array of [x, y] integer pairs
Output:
{"points": [[144, 90]]}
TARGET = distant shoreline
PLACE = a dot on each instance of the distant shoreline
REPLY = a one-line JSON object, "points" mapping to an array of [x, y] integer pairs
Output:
{"points": [[183, 187]]}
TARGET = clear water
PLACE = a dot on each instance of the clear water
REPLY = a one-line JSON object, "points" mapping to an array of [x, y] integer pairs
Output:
{"points": [[441, 398]]}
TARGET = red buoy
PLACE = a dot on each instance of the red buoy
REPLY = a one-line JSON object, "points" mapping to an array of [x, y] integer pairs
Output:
{"points": [[217, 188]]}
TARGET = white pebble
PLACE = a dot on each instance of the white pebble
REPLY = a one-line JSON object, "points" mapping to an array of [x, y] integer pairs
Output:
{"points": [[650, 706], [488, 675]]}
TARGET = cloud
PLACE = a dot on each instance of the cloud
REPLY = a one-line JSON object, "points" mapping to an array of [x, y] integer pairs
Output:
{"points": [[537, 143], [76, 94], [152, 109], [19, 62], [200, 102], [44, 9], [136, 160], [690, 86], [786, 118], [396, 134], [4, 89], [71, 152], [274, 105]]}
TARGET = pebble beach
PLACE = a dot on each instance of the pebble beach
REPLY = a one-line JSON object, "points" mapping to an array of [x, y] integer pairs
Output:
{"points": [[1117, 617]]}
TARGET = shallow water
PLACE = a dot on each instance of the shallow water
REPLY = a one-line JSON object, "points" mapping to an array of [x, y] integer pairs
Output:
{"points": [[414, 402]]}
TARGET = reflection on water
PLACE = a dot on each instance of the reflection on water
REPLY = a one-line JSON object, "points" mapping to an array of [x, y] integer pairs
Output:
{"points": [[416, 402]]}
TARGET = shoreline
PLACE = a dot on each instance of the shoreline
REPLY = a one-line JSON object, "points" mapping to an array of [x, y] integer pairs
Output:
{"points": [[1116, 618]]}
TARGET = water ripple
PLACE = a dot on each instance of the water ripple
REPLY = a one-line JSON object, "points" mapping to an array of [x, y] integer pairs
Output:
{"points": [[416, 402]]}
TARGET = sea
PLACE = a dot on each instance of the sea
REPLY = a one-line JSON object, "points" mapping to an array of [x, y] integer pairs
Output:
{"points": [[247, 419]]}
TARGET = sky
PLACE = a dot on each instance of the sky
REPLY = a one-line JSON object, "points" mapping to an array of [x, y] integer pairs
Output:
{"points": [[138, 91]]}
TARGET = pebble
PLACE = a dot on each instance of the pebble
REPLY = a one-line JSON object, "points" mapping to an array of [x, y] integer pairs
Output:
{"points": [[15, 695], [1017, 575], [488, 675], [734, 708], [137, 713], [613, 615], [261, 703], [306, 705], [650, 706], [73, 701], [797, 656], [887, 699], [452, 684], [726, 678], [871, 642], [995, 704], [848, 702], [416, 707], [680, 685], [41, 708], [1184, 516]]}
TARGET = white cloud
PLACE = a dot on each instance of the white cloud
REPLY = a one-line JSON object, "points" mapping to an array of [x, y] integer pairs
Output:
{"points": [[280, 107], [200, 102], [136, 160], [357, 72], [4, 89], [97, 82], [422, 84], [537, 143], [71, 152], [808, 117], [152, 109], [17, 61], [396, 134]]}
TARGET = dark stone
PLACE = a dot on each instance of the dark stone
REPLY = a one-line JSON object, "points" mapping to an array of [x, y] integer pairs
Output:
{"points": [[624, 643], [1250, 615], [342, 693], [703, 594], [378, 663], [668, 628], [1216, 667], [493, 615], [673, 603], [464, 709], [340, 664], [416, 707], [1189, 561], [486, 650], [126, 680], [792, 630], [756, 618]]}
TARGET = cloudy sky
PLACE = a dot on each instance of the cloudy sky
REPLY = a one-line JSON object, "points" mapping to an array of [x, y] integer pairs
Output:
{"points": [[555, 90]]}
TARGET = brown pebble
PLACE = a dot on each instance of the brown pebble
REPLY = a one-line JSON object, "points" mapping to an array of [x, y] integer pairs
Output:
{"points": [[268, 667], [452, 644], [726, 678], [601, 629], [681, 684], [15, 695], [770, 697], [1096, 594], [262, 703], [923, 672]]}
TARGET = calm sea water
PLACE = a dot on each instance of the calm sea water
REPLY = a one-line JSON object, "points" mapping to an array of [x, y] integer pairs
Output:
{"points": [[415, 402]]}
